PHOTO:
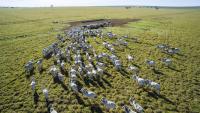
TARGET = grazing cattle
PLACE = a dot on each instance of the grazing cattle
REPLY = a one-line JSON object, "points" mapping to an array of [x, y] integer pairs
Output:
{"points": [[99, 71], [89, 74], [58, 62], [112, 49], [154, 86], [73, 76], [52, 110], [80, 70], [111, 35], [150, 63], [100, 64], [117, 64], [108, 104], [90, 59], [172, 51], [162, 46], [134, 69], [88, 94], [141, 82], [60, 77], [74, 86], [54, 71], [167, 49], [122, 42], [113, 57], [136, 106], [127, 109], [53, 48], [33, 84], [126, 36], [72, 71], [104, 54], [62, 65], [94, 72], [166, 61], [89, 67], [68, 57], [29, 67], [45, 92], [39, 65], [130, 58], [59, 37]]}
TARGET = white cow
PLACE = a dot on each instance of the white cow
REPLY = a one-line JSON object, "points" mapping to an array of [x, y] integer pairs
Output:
{"points": [[74, 86], [108, 104], [127, 109], [133, 69], [154, 86], [60, 77], [136, 106], [166, 61], [89, 94], [33, 84], [45, 92], [141, 82], [151, 63], [62, 65], [39, 64], [29, 67], [52, 110], [54, 71], [130, 58], [99, 71]]}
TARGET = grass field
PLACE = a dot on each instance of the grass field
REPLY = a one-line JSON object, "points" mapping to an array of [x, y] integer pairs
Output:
{"points": [[24, 32]]}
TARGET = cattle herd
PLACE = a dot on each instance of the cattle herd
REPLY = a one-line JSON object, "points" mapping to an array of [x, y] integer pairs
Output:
{"points": [[85, 62]]}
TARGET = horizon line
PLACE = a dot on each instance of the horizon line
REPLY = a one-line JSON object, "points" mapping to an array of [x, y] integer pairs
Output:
{"points": [[96, 6]]}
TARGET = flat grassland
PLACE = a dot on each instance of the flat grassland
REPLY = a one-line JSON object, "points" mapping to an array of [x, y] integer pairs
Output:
{"points": [[24, 32]]}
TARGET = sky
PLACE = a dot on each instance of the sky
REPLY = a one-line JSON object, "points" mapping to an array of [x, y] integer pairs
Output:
{"points": [[47, 3]]}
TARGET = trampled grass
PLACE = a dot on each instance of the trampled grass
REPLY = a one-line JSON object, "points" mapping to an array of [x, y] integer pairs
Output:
{"points": [[24, 32]]}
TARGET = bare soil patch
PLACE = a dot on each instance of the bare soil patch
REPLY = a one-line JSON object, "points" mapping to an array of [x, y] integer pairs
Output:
{"points": [[113, 22]]}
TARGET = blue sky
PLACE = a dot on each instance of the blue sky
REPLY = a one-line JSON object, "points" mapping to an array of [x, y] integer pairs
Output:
{"points": [[42, 3]]}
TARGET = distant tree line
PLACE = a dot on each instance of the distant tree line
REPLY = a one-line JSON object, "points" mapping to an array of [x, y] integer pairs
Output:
{"points": [[155, 7]]}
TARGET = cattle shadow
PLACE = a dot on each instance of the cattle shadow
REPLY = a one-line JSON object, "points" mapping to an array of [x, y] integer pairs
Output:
{"points": [[156, 96], [47, 57], [96, 109], [106, 81], [64, 86], [94, 65], [156, 71], [79, 85], [35, 97], [30, 74], [100, 83], [48, 104], [136, 66], [56, 80], [65, 72], [172, 68], [124, 72], [79, 99], [179, 54], [89, 81], [106, 73]]}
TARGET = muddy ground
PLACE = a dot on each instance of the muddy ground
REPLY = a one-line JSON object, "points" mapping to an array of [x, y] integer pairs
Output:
{"points": [[114, 22]]}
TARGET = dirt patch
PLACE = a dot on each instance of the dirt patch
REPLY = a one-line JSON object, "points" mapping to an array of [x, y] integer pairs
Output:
{"points": [[113, 22]]}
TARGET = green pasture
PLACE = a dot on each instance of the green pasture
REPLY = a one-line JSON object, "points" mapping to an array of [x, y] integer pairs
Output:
{"points": [[24, 32]]}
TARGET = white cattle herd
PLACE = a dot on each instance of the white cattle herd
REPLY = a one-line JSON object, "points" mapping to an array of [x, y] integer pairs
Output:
{"points": [[78, 48]]}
